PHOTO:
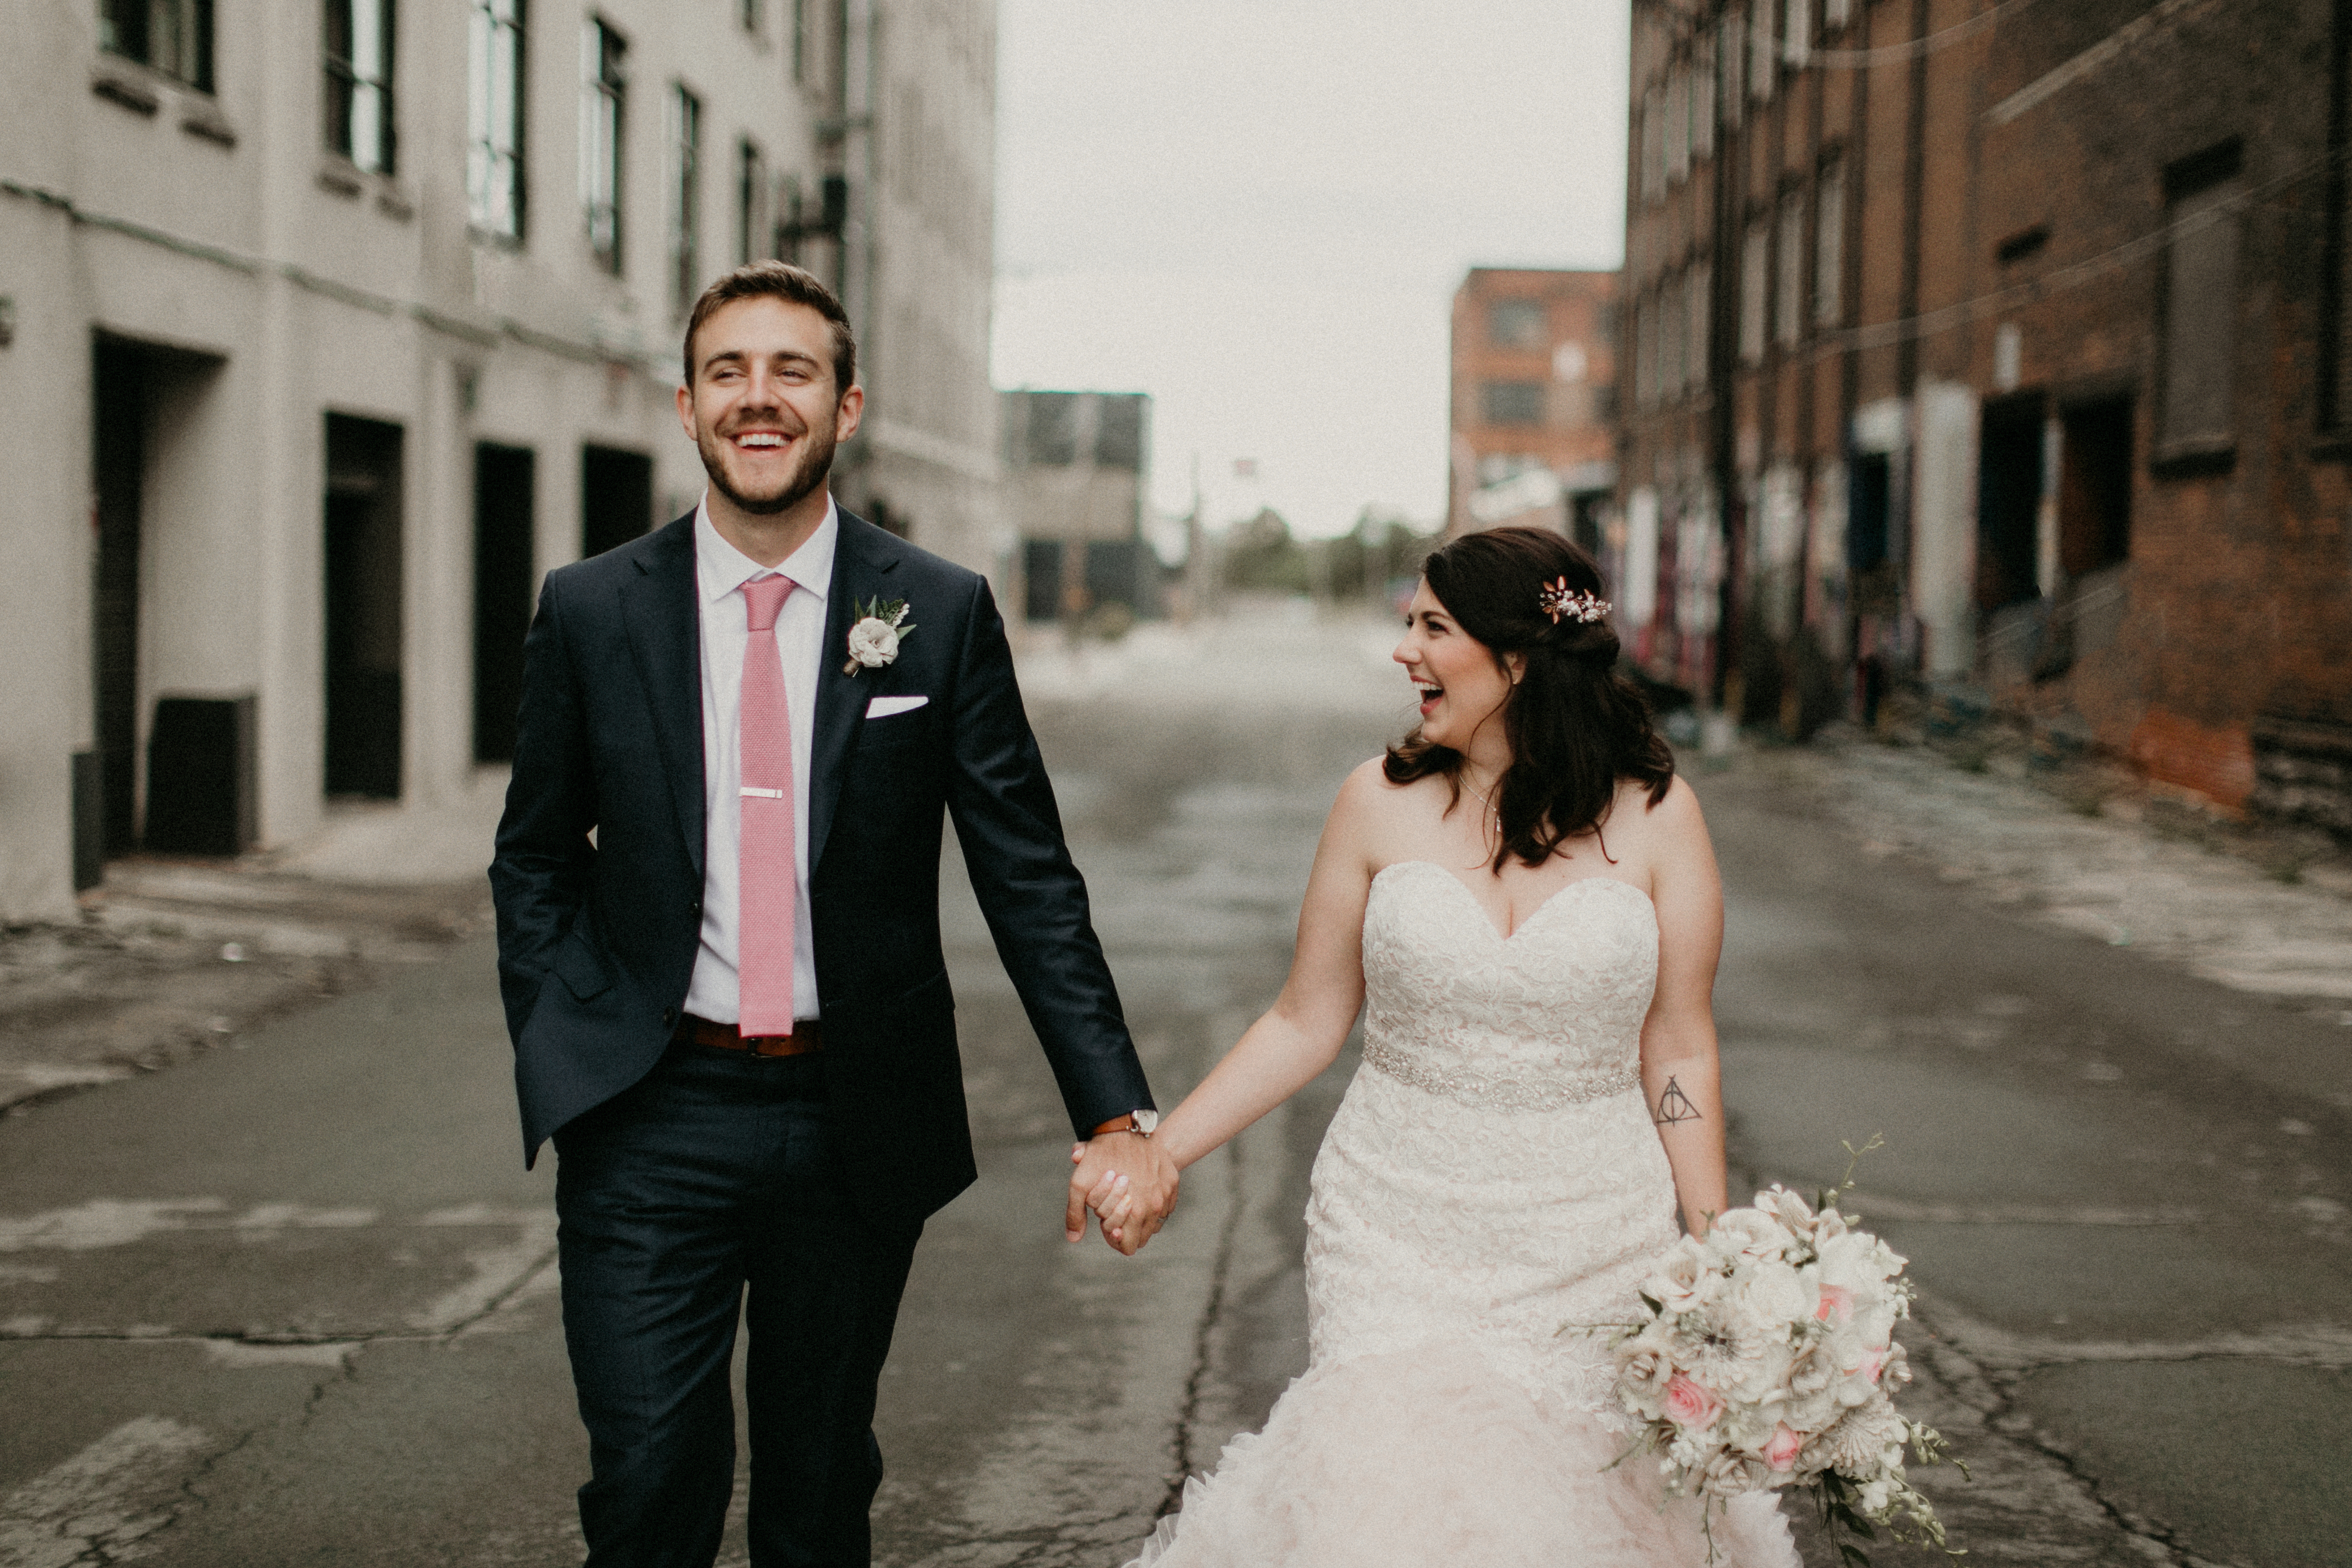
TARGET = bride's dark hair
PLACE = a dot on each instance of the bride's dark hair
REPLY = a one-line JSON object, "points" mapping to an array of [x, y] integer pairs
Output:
{"points": [[1575, 725]]}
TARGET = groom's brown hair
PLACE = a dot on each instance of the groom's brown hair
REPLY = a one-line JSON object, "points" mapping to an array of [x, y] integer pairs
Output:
{"points": [[795, 285]]}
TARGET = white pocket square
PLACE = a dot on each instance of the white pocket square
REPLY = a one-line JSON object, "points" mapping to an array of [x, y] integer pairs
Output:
{"points": [[883, 706]]}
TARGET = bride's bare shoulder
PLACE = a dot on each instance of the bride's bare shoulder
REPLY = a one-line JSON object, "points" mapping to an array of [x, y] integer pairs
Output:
{"points": [[1370, 804]]}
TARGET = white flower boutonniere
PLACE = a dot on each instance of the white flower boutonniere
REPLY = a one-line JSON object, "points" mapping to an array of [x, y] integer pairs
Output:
{"points": [[874, 637]]}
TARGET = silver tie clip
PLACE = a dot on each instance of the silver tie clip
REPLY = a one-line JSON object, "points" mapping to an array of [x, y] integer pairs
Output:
{"points": [[755, 792]]}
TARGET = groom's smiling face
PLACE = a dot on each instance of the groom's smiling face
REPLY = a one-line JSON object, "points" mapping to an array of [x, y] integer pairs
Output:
{"points": [[763, 409]]}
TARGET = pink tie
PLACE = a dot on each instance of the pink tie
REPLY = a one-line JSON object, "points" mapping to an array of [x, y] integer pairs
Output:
{"points": [[768, 876]]}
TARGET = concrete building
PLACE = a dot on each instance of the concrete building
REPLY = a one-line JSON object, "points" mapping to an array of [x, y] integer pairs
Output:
{"points": [[325, 330], [2001, 351], [1077, 470], [916, 128], [1534, 400]]}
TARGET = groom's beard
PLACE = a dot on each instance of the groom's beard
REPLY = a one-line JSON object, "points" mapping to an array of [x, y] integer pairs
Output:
{"points": [[815, 461]]}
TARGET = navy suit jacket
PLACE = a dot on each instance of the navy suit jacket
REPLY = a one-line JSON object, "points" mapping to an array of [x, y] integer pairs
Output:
{"points": [[597, 937]]}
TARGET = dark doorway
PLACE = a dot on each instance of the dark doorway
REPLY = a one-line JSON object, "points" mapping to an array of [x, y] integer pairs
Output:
{"points": [[503, 490], [1041, 577], [119, 417], [2094, 487], [363, 607], [616, 498], [2009, 502], [1868, 493]]}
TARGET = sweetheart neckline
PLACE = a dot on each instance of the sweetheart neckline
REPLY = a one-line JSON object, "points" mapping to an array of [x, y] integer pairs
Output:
{"points": [[1507, 938]]}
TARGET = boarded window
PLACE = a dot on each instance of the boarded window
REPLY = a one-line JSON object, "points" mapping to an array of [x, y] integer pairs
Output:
{"points": [[1702, 97], [1731, 55], [1790, 308], [1654, 145], [1512, 402], [2201, 302], [1673, 368], [1829, 249], [1754, 297], [1678, 152], [1762, 56], [1698, 306]]}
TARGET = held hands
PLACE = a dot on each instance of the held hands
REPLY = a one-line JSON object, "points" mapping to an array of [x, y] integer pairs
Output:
{"points": [[1128, 1182]]}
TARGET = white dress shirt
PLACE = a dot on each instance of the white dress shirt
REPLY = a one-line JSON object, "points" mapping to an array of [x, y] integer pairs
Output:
{"points": [[721, 572]]}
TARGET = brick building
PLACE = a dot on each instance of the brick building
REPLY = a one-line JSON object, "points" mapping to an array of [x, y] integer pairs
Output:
{"points": [[2001, 347], [1534, 398]]}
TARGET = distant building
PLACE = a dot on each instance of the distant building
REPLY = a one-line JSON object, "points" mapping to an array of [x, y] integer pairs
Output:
{"points": [[1534, 400], [329, 328], [2006, 355], [1076, 472]]}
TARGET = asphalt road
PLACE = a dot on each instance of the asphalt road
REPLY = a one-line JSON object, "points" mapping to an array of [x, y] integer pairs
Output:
{"points": [[293, 1302]]}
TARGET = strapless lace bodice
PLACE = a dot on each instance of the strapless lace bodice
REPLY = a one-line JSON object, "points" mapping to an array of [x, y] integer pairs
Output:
{"points": [[1491, 1179], [1547, 1016]]}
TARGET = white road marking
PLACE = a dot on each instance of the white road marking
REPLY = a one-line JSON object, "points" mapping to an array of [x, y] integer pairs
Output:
{"points": [[87, 1502]]}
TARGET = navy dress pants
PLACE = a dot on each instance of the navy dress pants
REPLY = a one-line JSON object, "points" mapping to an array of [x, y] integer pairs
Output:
{"points": [[714, 1177]]}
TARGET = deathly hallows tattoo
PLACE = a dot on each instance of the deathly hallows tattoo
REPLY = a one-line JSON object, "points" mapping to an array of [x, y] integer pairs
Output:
{"points": [[1674, 1105]]}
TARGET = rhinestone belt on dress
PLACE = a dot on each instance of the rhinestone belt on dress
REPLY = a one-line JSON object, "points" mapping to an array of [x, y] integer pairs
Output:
{"points": [[1494, 1093]]}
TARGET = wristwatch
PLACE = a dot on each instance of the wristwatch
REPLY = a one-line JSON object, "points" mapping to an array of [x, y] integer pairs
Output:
{"points": [[1143, 1122]]}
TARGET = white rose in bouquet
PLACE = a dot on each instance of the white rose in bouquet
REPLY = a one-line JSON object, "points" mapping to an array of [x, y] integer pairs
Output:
{"points": [[1684, 1280], [1746, 1236]]}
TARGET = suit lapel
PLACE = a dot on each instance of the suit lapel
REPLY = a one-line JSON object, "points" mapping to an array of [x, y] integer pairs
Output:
{"points": [[858, 573], [663, 614]]}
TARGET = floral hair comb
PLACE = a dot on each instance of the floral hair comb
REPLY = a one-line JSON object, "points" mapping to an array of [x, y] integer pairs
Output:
{"points": [[1561, 602]]}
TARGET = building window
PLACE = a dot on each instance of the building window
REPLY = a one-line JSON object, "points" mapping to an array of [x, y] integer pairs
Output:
{"points": [[1761, 55], [685, 197], [1755, 300], [1702, 97], [1797, 43], [1646, 352], [1836, 14], [1788, 312], [1731, 56], [754, 15], [494, 130], [603, 120], [800, 39], [2201, 301], [1829, 249], [751, 198], [1699, 304], [1654, 145], [1678, 151], [1516, 324], [356, 44], [174, 37], [1511, 403]]}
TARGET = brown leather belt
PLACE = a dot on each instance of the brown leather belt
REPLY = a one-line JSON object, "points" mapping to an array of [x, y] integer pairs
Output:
{"points": [[807, 1036]]}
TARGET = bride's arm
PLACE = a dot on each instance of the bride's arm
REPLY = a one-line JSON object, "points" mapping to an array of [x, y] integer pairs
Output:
{"points": [[1309, 1022], [1679, 1074]]}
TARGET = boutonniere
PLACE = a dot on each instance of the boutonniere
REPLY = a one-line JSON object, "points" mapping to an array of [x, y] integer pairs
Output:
{"points": [[875, 635]]}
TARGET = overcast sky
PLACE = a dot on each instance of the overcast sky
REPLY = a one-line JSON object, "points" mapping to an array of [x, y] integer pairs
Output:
{"points": [[1258, 210]]}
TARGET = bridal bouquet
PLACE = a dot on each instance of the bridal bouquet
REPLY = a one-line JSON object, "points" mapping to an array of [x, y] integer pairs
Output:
{"points": [[1768, 1358]]}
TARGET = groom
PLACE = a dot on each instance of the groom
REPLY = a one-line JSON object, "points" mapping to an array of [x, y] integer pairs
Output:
{"points": [[719, 946]]}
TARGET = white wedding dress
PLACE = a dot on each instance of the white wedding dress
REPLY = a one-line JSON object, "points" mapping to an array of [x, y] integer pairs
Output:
{"points": [[1491, 1176]]}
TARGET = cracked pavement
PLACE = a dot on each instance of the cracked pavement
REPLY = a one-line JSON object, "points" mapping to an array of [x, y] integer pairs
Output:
{"points": [[296, 1302]]}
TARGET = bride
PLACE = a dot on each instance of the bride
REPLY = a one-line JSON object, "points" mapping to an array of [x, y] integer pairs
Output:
{"points": [[1522, 897]]}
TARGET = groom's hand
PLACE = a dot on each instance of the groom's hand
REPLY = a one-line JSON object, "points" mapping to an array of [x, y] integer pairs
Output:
{"points": [[1129, 1183]]}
